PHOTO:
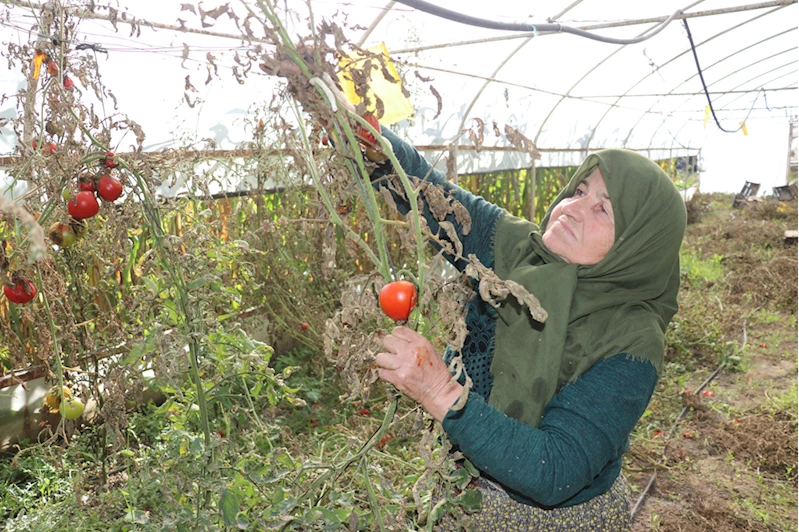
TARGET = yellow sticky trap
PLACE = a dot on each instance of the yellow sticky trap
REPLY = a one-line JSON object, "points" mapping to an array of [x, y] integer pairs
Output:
{"points": [[396, 106], [707, 114], [743, 128], [38, 59]]}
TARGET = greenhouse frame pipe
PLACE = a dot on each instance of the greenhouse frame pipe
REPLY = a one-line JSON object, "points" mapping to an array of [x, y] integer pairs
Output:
{"points": [[737, 109], [454, 151], [83, 13], [691, 96], [619, 24], [519, 85], [769, 81], [670, 113], [576, 83], [375, 22], [705, 69], [566, 10], [596, 66], [696, 93], [741, 96], [727, 30], [444, 147]]}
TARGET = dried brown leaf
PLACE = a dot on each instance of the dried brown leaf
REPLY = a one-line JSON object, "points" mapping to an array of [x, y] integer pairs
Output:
{"points": [[516, 138], [189, 86], [439, 102], [185, 55], [491, 288]]}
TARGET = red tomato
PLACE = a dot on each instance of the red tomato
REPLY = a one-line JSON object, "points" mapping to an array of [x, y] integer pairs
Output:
{"points": [[304, 326], [83, 205], [68, 83], [109, 188], [366, 135], [86, 183], [52, 68], [397, 299], [110, 160], [20, 291]]}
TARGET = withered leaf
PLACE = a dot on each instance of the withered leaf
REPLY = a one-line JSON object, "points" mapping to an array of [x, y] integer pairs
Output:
{"points": [[496, 129], [185, 55], [491, 288], [516, 138], [421, 77], [452, 234], [189, 86], [188, 101], [212, 61], [188, 7], [439, 102]]}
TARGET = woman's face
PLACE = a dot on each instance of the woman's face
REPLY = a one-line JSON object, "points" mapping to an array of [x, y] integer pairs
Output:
{"points": [[581, 229]]}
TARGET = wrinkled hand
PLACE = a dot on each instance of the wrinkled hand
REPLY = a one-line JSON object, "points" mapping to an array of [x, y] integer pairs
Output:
{"points": [[413, 365]]}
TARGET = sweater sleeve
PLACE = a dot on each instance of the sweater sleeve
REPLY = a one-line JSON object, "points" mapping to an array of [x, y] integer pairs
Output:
{"points": [[484, 214], [585, 427]]}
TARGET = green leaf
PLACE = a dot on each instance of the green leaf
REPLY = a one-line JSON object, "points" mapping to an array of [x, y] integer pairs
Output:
{"points": [[229, 507], [470, 500], [196, 284]]}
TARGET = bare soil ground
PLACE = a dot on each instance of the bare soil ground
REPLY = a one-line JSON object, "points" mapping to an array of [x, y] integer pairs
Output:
{"points": [[730, 462]]}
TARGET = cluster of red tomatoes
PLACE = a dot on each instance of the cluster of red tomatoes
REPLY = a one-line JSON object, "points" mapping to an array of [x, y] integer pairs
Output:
{"points": [[83, 204]]}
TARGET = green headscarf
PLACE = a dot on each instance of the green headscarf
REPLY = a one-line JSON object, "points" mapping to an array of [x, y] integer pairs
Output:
{"points": [[622, 304]]}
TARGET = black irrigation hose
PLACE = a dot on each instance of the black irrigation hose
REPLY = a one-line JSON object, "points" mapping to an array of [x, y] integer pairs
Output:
{"points": [[707, 94], [651, 482], [557, 27]]}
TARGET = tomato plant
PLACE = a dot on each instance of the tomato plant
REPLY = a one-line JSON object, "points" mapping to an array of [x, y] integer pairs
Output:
{"points": [[62, 234], [109, 188], [397, 299], [71, 408], [83, 205], [20, 290]]}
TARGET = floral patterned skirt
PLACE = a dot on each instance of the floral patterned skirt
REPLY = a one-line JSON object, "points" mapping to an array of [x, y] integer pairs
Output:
{"points": [[609, 512]]}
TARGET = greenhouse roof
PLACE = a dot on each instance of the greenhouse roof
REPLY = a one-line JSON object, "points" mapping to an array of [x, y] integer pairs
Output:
{"points": [[561, 88]]}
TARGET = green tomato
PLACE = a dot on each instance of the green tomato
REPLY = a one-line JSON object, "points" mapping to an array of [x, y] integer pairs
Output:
{"points": [[62, 235], [71, 408]]}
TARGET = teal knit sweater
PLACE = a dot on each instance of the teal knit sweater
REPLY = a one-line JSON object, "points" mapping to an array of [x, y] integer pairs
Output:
{"points": [[576, 452]]}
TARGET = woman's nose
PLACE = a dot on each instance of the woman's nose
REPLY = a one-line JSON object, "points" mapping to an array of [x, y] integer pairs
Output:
{"points": [[574, 208]]}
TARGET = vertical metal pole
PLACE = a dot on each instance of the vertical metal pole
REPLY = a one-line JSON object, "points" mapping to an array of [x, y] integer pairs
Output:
{"points": [[790, 144], [531, 191], [453, 161]]}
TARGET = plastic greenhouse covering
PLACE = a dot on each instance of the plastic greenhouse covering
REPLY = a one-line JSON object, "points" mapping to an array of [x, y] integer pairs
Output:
{"points": [[568, 93]]}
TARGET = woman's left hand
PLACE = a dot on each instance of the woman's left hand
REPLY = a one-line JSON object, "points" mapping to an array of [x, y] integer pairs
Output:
{"points": [[413, 365]]}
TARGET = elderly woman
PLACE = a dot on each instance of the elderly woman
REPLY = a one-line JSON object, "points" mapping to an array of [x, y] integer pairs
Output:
{"points": [[552, 405]]}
